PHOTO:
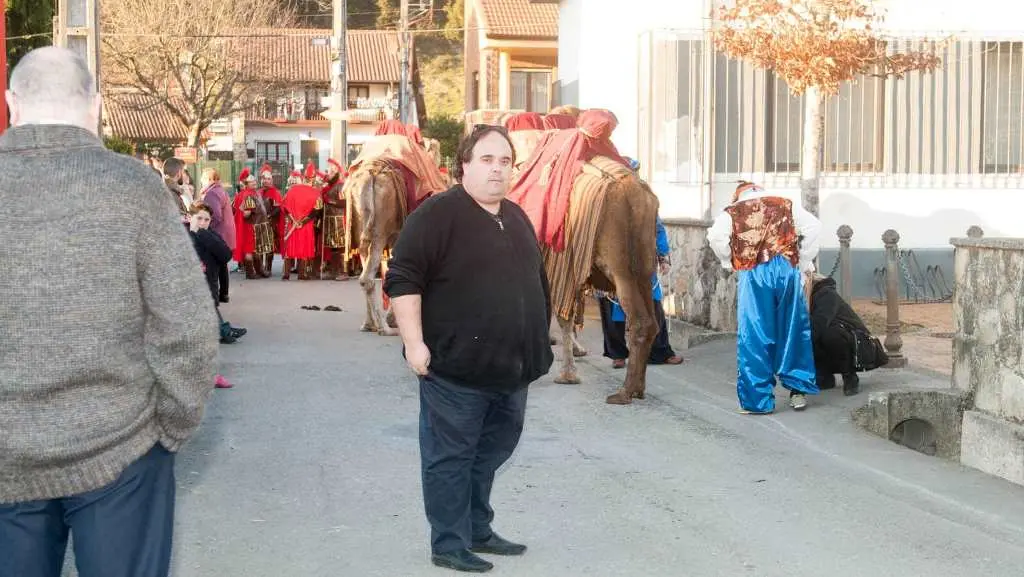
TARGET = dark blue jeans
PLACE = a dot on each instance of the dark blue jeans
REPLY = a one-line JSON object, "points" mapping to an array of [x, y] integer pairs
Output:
{"points": [[121, 530], [465, 435]]}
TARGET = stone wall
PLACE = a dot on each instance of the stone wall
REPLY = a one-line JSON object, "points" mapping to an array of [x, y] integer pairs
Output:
{"points": [[698, 291], [988, 352]]}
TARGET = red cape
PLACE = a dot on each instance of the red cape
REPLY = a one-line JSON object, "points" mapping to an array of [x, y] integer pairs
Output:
{"points": [[546, 178], [301, 200], [245, 238]]}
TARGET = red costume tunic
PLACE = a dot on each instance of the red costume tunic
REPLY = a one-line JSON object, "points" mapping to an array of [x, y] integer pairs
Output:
{"points": [[299, 233], [245, 236]]}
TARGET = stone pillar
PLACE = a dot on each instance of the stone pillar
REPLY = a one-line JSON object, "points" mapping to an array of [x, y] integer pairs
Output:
{"points": [[893, 339], [845, 233], [702, 293], [988, 320]]}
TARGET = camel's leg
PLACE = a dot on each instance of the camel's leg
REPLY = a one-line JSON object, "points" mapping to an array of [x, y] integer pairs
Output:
{"points": [[366, 281], [635, 299], [578, 350], [568, 375], [389, 316]]}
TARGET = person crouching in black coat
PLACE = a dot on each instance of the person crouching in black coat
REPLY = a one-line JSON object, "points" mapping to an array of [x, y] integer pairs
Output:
{"points": [[842, 343], [214, 253]]}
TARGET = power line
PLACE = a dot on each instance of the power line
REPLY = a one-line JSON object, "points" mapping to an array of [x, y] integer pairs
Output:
{"points": [[312, 32]]}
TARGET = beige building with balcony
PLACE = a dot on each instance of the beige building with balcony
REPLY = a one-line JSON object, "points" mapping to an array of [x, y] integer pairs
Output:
{"points": [[511, 54]]}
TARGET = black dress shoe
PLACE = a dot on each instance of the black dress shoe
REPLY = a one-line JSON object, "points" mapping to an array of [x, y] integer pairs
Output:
{"points": [[498, 546], [461, 560], [224, 299]]}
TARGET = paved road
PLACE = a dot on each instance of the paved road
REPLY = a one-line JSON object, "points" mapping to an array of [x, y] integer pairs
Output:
{"points": [[309, 467]]}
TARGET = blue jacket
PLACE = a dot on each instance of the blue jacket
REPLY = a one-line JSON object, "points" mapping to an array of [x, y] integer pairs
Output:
{"points": [[661, 235]]}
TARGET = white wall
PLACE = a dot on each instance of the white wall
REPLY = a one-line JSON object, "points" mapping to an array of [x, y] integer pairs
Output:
{"points": [[606, 66], [569, 43], [357, 134], [998, 17]]}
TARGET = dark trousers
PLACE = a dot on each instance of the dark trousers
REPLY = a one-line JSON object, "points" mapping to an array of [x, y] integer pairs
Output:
{"points": [[223, 281], [121, 530], [615, 335], [465, 435]]}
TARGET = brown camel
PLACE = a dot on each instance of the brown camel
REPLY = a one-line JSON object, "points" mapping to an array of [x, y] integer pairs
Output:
{"points": [[623, 261], [375, 202]]}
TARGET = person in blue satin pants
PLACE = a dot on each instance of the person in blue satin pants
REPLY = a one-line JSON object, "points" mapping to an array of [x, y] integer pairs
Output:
{"points": [[770, 242]]}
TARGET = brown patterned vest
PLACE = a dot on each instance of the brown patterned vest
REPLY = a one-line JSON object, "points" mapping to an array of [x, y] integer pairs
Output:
{"points": [[762, 228]]}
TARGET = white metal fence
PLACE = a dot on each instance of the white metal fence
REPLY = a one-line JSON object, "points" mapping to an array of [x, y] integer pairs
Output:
{"points": [[962, 125]]}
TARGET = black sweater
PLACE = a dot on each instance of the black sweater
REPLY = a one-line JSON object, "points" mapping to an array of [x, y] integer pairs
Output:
{"points": [[486, 307], [213, 253]]}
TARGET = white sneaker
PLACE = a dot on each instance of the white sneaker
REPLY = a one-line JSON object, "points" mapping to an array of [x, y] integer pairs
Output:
{"points": [[798, 401]]}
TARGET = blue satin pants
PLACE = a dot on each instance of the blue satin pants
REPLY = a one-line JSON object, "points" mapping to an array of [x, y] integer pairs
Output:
{"points": [[773, 335]]}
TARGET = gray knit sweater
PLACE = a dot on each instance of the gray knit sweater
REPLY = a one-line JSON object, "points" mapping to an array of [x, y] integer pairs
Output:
{"points": [[108, 337]]}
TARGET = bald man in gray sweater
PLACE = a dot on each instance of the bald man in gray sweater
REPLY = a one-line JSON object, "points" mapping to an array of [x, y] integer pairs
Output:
{"points": [[108, 337]]}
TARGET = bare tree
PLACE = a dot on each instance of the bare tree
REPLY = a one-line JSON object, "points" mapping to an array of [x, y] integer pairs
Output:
{"points": [[815, 46], [195, 59]]}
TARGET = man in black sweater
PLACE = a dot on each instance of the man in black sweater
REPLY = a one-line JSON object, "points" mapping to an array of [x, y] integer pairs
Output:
{"points": [[471, 299]]}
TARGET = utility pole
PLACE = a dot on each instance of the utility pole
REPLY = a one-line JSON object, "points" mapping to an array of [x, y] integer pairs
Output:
{"points": [[3, 67], [339, 84], [77, 26], [403, 86]]}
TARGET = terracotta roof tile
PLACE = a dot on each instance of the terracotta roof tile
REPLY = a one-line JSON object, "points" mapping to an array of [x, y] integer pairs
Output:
{"points": [[519, 19], [138, 117], [290, 56], [287, 55]]}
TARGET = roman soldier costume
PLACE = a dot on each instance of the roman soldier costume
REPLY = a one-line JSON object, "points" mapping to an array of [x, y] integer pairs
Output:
{"points": [[333, 227], [300, 207], [255, 233], [272, 199]]}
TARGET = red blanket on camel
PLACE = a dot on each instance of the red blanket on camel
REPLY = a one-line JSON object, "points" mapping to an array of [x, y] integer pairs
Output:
{"points": [[544, 184]]}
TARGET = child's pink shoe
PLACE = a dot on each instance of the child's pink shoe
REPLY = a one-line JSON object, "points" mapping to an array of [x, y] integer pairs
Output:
{"points": [[221, 383]]}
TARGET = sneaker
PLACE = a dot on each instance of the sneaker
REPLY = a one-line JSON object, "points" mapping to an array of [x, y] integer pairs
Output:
{"points": [[221, 383], [798, 401]]}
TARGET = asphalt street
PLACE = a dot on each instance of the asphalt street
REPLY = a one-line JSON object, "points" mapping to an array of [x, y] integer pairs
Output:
{"points": [[310, 467]]}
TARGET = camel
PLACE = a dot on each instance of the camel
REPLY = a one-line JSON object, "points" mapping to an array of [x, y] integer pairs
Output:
{"points": [[376, 206], [623, 262], [374, 199]]}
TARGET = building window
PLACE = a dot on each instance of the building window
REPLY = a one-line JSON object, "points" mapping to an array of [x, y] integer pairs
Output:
{"points": [[272, 152], [355, 92], [964, 119], [1003, 107], [530, 90], [475, 91]]}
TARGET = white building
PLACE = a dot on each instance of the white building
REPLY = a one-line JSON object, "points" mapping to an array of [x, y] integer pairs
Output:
{"points": [[291, 129], [928, 155], [287, 129]]}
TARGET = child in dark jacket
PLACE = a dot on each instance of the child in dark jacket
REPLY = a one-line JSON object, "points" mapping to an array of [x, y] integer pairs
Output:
{"points": [[213, 253]]}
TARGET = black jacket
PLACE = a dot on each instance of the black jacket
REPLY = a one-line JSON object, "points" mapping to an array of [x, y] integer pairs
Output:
{"points": [[834, 330], [486, 307], [214, 253]]}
